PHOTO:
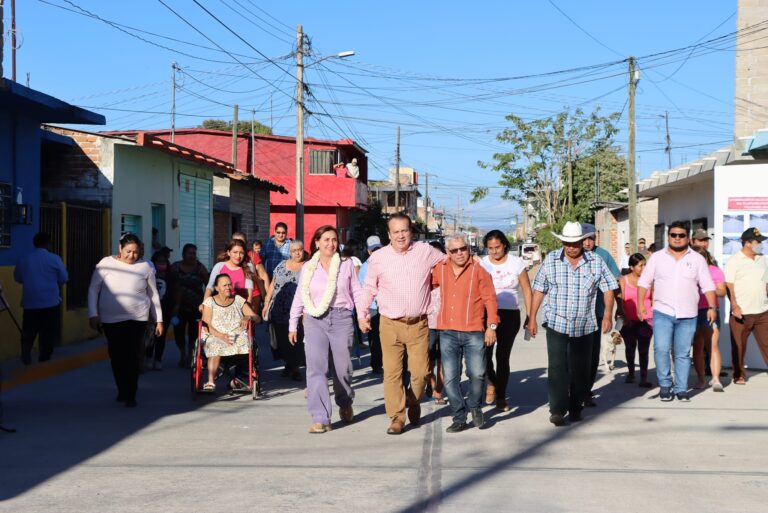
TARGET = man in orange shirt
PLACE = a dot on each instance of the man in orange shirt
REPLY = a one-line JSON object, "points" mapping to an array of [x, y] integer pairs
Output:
{"points": [[467, 297]]}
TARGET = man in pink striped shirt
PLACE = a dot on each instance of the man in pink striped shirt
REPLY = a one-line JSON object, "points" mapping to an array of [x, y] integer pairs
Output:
{"points": [[399, 277], [676, 274]]}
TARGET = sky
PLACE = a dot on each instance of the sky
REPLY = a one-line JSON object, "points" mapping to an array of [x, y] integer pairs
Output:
{"points": [[446, 72]]}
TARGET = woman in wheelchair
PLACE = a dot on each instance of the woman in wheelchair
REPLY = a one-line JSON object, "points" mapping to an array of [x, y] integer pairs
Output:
{"points": [[226, 316]]}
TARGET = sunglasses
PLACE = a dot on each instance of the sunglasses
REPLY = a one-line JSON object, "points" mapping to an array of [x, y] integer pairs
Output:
{"points": [[457, 250], [678, 235]]}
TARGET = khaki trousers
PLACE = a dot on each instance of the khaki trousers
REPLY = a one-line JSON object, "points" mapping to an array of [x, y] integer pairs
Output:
{"points": [[398, 337]]}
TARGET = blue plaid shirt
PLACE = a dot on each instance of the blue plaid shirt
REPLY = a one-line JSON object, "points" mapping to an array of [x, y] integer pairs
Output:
{"points": [[271, 255], [569, 304]]}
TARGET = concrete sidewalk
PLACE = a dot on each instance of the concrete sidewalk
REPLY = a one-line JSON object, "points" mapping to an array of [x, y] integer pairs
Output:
{"points": [[79, 451]]}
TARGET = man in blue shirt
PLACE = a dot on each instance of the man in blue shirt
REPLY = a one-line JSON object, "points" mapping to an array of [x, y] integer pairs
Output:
{"points": [[567, 285], [277, 249], [590, 245], [41, 273]]}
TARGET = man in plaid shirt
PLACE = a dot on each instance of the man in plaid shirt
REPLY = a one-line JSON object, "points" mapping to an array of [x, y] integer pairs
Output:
{"points": [[277, 249], [567, 284]]}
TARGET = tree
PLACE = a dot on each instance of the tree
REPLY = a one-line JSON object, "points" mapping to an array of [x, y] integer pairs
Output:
{"points": [[551, 162], [243, 127], [372, 222]]}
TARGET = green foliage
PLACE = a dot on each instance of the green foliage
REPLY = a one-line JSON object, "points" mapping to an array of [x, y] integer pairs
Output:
{"points": [[243, 127], [546, 239], [372, 222], [536, 169]]}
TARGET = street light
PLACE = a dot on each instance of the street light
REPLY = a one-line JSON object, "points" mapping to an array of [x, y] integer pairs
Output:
{"points": [[300, 125]]}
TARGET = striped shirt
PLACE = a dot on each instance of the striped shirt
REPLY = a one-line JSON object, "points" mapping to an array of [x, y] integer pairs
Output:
{"points": [[401, 282], [569, 305]]}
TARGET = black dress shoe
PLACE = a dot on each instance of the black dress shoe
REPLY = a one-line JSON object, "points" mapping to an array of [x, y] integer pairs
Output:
{"points": [[575, 416], [557, 419], [119, 398], [478, 419], [130, 403], [590, 402], [457, 427]]}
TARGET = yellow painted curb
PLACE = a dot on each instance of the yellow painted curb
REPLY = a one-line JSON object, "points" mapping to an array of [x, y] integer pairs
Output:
{"points": [[40, 371]]}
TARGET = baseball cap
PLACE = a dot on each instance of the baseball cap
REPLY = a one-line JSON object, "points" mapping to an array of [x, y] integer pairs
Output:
{"points": [[752, 234], [700, 234], [373, 242], [588, 230]]}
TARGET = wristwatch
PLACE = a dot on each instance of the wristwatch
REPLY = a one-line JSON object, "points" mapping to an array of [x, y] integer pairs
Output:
{"points": [[492, 326]]}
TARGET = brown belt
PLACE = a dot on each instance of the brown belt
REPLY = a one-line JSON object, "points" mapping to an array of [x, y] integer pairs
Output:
{"points": [[410, 320]]}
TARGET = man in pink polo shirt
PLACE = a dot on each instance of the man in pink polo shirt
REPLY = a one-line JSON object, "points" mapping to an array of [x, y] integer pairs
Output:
{"points": [[399, 276], [676, 274]]}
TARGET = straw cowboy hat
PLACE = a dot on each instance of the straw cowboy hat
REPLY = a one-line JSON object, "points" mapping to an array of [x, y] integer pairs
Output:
{"points": [[572, 232]]}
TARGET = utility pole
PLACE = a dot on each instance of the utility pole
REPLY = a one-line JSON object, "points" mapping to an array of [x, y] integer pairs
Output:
{"points": [[234, 137], [13, 40], [570, 174], [397, 172], [173, 101], [632, 208], [253, 142], [426, 201], [2, 30], [668, 149], [299, 133]]}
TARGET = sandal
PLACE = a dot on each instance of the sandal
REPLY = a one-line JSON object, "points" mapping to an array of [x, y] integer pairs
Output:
{"points": [[740, 381], [440, 401], [319, 427], [209, 387]]}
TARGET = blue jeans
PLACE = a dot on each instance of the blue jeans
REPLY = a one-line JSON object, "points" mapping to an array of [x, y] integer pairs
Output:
{"points": [[676, 336], [470, 344]]}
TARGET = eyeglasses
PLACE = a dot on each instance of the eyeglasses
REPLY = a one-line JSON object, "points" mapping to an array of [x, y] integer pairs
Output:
{"points": [[457, 250], [678, 235]]}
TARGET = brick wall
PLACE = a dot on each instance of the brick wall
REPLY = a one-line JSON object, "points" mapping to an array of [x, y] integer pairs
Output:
{"points": [[751, 93], [77, 172]]}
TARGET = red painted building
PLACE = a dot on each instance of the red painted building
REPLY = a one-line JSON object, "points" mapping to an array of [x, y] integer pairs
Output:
{"points": [[331, 195]]}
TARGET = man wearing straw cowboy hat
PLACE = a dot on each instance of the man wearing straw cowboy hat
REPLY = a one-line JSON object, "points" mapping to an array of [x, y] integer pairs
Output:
{"points": [[567, 284]]}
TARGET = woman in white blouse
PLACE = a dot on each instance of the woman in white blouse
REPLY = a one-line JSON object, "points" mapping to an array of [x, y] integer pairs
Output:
{"points": [[509, 273], [121, 294]]}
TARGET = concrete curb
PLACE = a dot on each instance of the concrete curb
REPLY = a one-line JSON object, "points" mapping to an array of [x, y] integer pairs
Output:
{"points": [[24, 375]]}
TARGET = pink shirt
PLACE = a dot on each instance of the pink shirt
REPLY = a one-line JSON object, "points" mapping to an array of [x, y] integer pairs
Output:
{"points": [[676, 283], [349, 293], [401, 282], [630, 303], [718, 277]]}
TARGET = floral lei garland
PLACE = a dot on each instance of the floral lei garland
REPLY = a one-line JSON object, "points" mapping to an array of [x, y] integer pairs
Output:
{"points": [[330, 285]]}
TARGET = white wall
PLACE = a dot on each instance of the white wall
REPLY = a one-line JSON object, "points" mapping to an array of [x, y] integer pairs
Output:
{"points": [[689, 202], [143, 176], [744, 180]]}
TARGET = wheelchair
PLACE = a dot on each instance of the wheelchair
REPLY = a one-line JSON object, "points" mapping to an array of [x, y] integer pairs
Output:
{"points": [[241, 369]]}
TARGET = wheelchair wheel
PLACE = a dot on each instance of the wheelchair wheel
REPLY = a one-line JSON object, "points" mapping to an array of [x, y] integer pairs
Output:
{"points": [[195, 370]]}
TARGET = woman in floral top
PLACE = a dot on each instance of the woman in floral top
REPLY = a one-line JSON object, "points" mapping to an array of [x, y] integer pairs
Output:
{"points": [[277, 308]]}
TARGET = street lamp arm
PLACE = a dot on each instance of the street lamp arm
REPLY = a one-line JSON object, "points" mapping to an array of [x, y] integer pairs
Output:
{"points": [[340, 55]]}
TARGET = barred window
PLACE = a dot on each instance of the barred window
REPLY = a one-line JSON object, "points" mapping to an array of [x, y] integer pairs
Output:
{"points": [[6, 211], [321, 162]]}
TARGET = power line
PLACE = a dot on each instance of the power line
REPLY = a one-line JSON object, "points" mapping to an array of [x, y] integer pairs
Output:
{"points": [[593, 38]]}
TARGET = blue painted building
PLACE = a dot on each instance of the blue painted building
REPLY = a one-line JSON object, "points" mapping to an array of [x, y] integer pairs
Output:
{"points": [[22, 110]]}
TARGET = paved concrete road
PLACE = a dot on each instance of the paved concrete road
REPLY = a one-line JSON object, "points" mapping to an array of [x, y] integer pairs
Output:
{"points": [[78, 451]]}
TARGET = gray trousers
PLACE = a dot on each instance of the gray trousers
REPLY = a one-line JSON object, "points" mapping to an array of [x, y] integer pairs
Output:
{"points": [[327, 342]]}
